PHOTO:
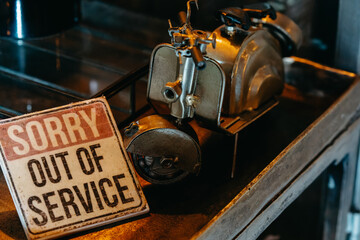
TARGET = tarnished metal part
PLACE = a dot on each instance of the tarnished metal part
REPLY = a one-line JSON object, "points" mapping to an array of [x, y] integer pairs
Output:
{"points": [[172, 91], [158, 170], [210, 91], [187, 76], [205, 100], [235, 124], [241, 81], [257, 74], [287, 32], [250, 61], [227, 47], [247, 85], [163, 57], [157, 137]]}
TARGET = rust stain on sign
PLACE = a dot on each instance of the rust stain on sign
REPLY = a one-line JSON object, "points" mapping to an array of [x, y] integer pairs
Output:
{"points": [[67, 171]]}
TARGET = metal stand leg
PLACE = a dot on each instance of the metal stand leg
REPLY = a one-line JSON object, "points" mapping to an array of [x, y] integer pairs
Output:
{"points": [[234, 156]]}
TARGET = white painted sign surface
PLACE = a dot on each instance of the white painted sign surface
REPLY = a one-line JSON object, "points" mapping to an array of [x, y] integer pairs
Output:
{"points": [[67, 170]]}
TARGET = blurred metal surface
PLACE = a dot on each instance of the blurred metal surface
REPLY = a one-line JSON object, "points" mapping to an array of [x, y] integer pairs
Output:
{"points": [[21, 19], [348, 36]]}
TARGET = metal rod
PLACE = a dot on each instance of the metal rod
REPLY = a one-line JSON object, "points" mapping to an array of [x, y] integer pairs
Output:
{"points": [[234, 156], [66, 56], [123, 82], [43, 84], [8, 113], [133, 116], [108, 92]]}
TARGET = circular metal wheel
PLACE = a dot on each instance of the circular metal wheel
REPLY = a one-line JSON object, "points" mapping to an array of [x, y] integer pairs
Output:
{"points": [[158, 170]]}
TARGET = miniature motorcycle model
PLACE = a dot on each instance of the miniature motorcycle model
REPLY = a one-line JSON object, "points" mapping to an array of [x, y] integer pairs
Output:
{"points": [[224, 80]]}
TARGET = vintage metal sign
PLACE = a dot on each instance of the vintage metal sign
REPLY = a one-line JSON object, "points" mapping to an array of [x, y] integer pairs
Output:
{"points": [[67, 170]]}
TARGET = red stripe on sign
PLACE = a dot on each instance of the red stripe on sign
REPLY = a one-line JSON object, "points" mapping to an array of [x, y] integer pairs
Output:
{"points": [[54, 130]]}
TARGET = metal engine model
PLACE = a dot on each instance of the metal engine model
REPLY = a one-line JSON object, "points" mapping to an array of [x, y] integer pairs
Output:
{"points": [[223, 80]]}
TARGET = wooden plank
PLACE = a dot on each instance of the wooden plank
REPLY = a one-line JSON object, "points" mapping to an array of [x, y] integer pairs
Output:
{"points": [[346, 145], [234, 218]]}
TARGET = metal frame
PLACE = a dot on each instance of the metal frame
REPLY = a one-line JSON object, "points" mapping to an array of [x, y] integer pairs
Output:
{"points": [[125, 81]]}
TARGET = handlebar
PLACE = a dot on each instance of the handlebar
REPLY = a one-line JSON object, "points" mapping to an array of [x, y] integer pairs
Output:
{"points": [[182, 18], [188, 41], [243, 16], [197, 57]]}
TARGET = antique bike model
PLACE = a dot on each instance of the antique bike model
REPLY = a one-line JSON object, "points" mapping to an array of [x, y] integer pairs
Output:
{"points": [[223, 80]]}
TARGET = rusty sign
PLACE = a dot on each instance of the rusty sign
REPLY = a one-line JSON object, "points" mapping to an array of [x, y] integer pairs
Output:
{"points": [[67, 170]]}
